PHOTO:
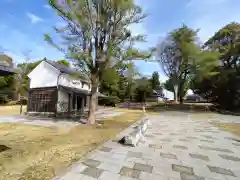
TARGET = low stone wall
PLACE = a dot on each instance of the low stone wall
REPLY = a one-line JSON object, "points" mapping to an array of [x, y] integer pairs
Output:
{"points": [[133, 137]]}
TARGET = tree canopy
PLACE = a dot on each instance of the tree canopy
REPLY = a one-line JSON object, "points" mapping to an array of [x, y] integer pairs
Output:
{"points": [[182, 59], [223, 88], [98, 35]]}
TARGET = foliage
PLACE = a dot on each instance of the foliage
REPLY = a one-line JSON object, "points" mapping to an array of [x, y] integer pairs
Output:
{"points": [[97, 35], [6, 82], [109, 84], [122, 85], [143, 89], [63, 62], [22, 82], [155, 83], [223, 88], [182, 59], [108, 101]]}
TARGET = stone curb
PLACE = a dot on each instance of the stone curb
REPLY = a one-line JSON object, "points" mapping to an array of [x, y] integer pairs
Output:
{"points": [[134, 136]]}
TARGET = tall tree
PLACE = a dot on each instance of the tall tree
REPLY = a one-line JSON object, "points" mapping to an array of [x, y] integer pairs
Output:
{"points": [[143, 89], [223, 88], [155, 83], [97, 35], [110, 80], [182, 58]]}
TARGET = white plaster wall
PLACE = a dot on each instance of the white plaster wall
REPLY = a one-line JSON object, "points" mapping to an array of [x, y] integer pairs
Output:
{"points": [[62, 104], [44, 75], [168, 94], [67, 80]]}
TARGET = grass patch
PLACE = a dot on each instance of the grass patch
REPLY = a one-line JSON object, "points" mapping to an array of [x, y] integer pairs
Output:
{"points": [[230, 127], [11, 110], [40, 153]]}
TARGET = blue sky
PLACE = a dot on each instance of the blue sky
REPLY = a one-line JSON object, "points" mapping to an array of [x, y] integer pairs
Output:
{"points": [[23, 23]]}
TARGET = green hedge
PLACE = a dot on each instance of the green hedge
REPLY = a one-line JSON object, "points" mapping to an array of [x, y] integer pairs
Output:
{"points": [[4, 99], [108, 101]]}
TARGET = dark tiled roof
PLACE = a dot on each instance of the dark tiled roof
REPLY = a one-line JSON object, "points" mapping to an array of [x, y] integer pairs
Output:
{"points": [[65, 69], [5, 70]]}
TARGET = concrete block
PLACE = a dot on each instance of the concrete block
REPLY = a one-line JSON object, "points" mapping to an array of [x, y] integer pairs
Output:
{"points": [[133, 137]]}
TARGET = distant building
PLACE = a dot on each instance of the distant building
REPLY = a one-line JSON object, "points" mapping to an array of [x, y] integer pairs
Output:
{"points": [[56, 90], [194, 98], [6, 65], [162, 94]]}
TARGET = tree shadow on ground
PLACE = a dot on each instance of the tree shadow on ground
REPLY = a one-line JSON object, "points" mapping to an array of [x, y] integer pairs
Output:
{"points": [[186, 107]]}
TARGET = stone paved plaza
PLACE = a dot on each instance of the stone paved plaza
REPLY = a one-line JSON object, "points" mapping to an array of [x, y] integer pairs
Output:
{"points": [[176, 146]]}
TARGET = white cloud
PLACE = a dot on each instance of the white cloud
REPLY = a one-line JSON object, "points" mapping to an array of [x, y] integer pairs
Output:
{"points": [[47, 6], [34, 18]]}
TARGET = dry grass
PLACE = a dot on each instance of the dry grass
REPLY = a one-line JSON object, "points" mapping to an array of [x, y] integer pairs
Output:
{"points": [[230, 127], [11, 110], [40, 153]]}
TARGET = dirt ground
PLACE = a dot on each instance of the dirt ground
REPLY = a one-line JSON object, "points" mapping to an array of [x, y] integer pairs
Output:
{"points": [[40, 153], [11, 110]]}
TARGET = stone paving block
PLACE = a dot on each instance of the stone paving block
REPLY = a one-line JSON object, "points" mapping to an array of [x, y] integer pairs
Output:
{"points": [[231, 158], [78, 168], [168, 156], [92, 172], [229, 178], [215, 149], [182, 169], [127, 178], [105, 149], [236, 144], [129, 172], [137, 160], [191, 137], [206, 140], [166, 140], [85, 177], [118, 157], [180, 147], [150, 176], [206, 173], [221, 170], [149, 136], [184, 140], [109, 176], [209, 137], [115, 168], [174, 134], [157, 133], [143, 167], [71, 175], [199, 156], [186, 176], [134, 154], [91, 162], [155, 146], [166, 172]]}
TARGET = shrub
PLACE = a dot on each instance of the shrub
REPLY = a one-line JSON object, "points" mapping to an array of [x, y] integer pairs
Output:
{"points": [[108, 101], [4, 99]]}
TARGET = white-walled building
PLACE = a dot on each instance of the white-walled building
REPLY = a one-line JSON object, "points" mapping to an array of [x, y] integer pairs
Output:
{"points": [[163, 94], [55, 89]]}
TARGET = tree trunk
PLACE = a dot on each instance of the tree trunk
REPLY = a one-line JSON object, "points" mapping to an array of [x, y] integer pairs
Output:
{"points": [[93, 100], [176, 94], [181, 99]]}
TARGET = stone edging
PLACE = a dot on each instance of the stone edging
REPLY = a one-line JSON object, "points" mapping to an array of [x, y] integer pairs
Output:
{"points": [[133, 137], [226, 112]]}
